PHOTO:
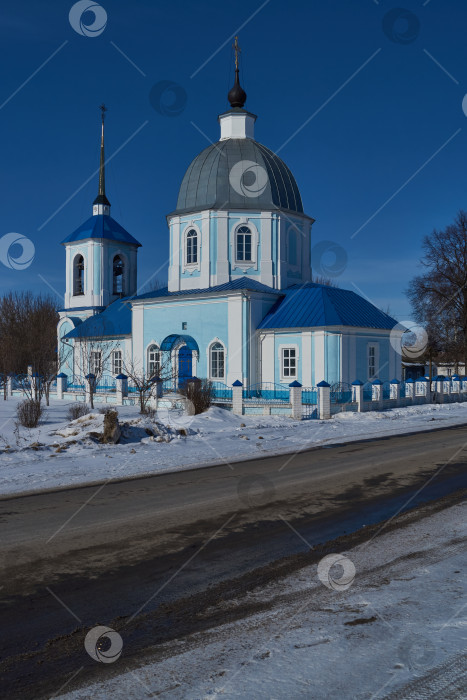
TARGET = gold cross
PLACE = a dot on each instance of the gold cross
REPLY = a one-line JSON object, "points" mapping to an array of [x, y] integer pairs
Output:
{"points": [[237, 50]]}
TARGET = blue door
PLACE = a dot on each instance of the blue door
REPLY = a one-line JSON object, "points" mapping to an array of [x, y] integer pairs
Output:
{"points": [[184, 366]]}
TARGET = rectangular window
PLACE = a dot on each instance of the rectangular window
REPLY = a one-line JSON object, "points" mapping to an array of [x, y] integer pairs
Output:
{"points": [[117, 362], [95, 362], [244, 246], [184, 325], [371, 361], [289, 363]]}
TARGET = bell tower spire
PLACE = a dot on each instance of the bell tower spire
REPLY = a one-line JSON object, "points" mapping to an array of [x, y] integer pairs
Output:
{"points": [[101, 204]]}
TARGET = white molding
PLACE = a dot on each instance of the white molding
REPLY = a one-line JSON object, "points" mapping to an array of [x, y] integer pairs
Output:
{"points": [[245, 265], [191, 267], [208, 359], [288, 346]]}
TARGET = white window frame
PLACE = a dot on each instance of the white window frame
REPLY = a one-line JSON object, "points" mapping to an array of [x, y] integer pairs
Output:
{"points": [[149, 352], [245, 265], [95, 362], [210, 357], [117, 362], [192, 266], [287, 347], [75, 293]]}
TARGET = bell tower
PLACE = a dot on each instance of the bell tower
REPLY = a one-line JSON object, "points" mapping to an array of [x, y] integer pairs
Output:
{"points": [[101, 256]]}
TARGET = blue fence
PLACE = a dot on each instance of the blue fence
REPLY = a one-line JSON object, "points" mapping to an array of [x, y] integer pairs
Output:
{"points": [[266, 392], [221, 391], [309, 396], [341, 393]]}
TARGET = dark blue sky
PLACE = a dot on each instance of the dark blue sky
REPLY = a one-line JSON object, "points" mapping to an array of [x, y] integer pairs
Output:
{"points": [[359, 149]]}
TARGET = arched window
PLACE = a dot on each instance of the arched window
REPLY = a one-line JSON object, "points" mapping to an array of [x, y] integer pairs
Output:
{"points": [[78, 275], [191, 247], [243, 245], [292, 244], [154, 361], [217, 361], [118, 275]]}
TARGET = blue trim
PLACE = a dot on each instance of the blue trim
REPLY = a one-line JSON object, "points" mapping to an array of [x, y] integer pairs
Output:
{"points": [[323, 384], [237, 383], [357, 382], [295, 384]]}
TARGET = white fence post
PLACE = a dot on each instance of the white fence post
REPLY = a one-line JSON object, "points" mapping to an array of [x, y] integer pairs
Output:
{"points": [[295, 398], [357, 394], [426, 388], [121, 384], [439, 383], [395, 390], [377, 392], [409, 388], [324, 400], [62, 382], [90, 385], [237, 398]]}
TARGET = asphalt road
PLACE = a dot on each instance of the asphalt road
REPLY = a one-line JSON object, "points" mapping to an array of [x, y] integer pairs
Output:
{"points": [[152, 555]]}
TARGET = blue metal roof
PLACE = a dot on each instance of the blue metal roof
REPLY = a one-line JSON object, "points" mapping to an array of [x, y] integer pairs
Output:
{"points": [[171, 340], [305, 306], [104, 227], [115, 320], [240, 283]]}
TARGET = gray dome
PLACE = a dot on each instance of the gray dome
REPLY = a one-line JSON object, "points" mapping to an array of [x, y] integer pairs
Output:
{"points": [[238, 174]]}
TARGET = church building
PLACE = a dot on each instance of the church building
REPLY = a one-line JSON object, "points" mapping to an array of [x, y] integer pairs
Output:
{"points": [[240, 303]]}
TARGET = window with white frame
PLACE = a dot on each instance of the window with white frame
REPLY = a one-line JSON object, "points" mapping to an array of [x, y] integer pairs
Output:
{"points": [[154, 361], [371, 361], [244, 244], [78, 275], [289, 363], [191, 247], [217, 361], [117, 362], [95, 362]]}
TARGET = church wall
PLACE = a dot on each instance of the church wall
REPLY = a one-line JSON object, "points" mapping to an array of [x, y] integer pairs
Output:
{"points": [[283, 340], [206, 320]]}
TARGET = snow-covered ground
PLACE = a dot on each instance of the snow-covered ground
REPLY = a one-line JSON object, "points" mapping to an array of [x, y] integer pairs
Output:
{"points": [[401, 616], [60, 453]]}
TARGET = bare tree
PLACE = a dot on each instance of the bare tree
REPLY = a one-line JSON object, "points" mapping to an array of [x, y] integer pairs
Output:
{"points": [[327, 281], [28, 337], [148, 383], [93, 356], [439, 296]]}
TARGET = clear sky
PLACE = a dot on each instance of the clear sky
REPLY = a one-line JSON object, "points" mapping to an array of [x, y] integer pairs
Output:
{"points": [[363, 106]]}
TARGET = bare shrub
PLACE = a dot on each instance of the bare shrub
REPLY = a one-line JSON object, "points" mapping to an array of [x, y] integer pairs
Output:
{"points": [[112, 430], [105, 409], [200, 392], [29, 413], [76, 410]]}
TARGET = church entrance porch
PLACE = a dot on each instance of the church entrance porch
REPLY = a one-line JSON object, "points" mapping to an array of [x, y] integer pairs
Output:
{"points": [[184, 352]]}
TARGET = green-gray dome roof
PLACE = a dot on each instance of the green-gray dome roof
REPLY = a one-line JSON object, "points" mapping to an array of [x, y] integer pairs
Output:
{"points": [[238, 174]]}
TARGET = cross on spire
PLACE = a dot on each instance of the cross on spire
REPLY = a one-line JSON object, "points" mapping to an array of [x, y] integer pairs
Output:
{"points": [[237, 50], [101, 199]]}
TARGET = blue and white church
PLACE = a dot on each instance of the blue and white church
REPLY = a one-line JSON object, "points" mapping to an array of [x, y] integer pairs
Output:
{"points": [[240, 303]]}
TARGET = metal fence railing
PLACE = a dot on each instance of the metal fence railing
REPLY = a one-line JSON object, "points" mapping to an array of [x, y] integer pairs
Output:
{"points": [[267, 392]]}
